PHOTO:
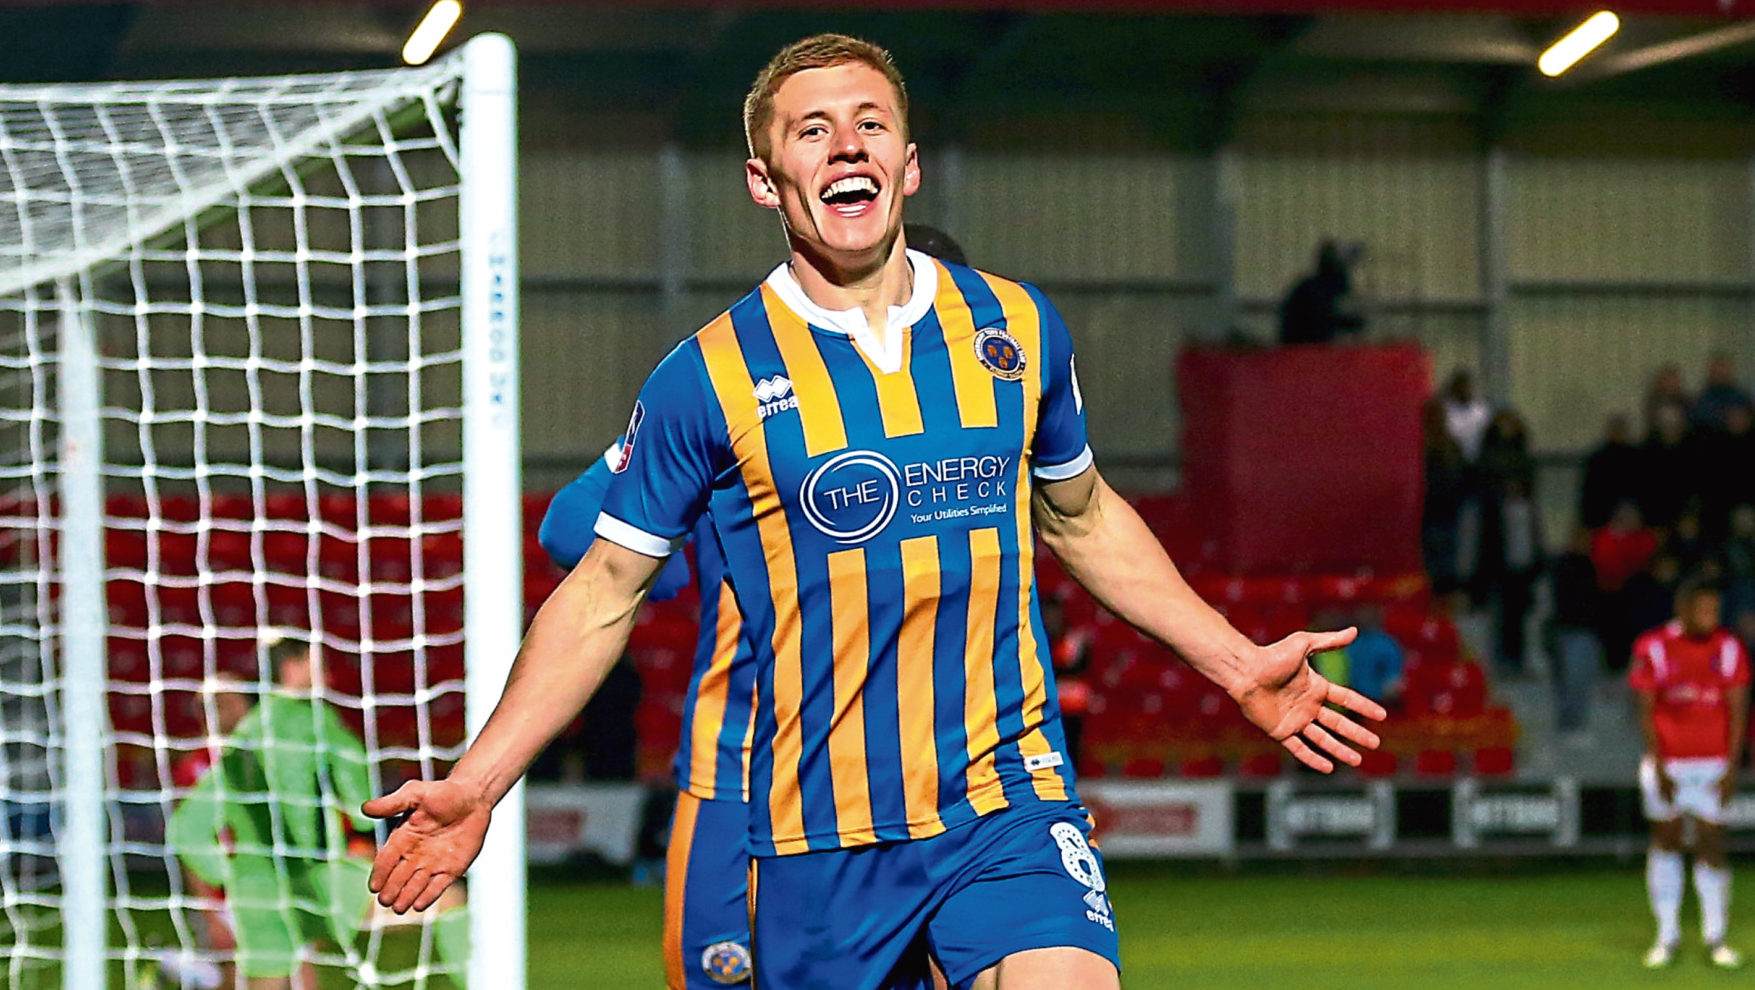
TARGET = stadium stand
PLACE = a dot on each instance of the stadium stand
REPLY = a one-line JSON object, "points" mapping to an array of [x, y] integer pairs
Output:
{"points": [[1151, 715]]}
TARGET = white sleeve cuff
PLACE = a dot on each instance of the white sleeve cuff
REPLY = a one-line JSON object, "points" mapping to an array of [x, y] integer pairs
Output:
{"points": [[634, 538], [1061, 472]]}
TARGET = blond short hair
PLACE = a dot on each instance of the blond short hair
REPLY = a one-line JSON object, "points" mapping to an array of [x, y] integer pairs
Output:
{"points": [[819, 51]]}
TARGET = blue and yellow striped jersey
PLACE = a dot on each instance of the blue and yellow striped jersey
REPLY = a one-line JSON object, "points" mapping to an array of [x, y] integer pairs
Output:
{"points": [[717, 712], [873, 508]]}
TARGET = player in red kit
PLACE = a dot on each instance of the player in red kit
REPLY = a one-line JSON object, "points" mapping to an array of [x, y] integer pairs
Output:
{"points": [[1691, 679]]}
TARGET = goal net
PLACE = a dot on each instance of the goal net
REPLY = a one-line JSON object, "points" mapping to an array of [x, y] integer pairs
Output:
{"points": [[257, 384]]}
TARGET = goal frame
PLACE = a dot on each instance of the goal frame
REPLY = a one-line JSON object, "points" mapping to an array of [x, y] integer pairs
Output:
{"points": [[492, 529]]}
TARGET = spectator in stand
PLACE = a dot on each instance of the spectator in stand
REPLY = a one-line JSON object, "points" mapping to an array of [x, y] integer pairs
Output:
{"points": [[1666, 389], [1727, 468], [1440, 514], [1374, 659], [1466, 415], [1611, 473], [1070, 650], [1511, 544], [1739, 566], [1619, 551], [1321, 306], [1721, 395], [1648, 598], [1372, 664], [1687, 543], [1572, 635], [1668, 466]]}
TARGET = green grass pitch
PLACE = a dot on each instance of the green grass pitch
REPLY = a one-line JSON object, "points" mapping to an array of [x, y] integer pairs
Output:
{"points": [[1196, 929], [1190, 927]]}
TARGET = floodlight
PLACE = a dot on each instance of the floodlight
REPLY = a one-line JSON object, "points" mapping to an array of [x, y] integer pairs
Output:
{"points": [[431, 30], [1584, 39]]}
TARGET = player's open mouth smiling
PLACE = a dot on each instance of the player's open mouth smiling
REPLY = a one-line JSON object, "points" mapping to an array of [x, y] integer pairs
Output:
{"points": [[850, 196]]}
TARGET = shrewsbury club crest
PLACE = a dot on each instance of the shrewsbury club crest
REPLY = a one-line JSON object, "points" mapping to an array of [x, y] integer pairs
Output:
{"points": [[726, 962], [999, 352]]}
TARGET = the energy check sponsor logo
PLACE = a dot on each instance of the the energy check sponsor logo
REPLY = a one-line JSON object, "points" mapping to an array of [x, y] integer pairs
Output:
{"points": [[852, 496]]}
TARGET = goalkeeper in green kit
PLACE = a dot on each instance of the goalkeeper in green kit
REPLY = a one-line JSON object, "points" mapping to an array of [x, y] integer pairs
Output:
{"points": [[268, 824]]}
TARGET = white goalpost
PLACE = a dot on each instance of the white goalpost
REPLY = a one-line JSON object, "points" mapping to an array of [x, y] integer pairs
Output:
{"points": [[258, 379]]}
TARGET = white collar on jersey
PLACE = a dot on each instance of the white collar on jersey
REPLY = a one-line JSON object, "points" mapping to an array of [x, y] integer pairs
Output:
{"points": [[885, 354]]}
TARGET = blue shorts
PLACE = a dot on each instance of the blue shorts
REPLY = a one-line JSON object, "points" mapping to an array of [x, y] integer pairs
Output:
{"points": [[706, 895], [869, 918]]}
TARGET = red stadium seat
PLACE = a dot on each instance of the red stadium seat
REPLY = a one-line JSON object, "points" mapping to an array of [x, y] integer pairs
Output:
{"points": [[1377, 763], [179, 606], [130, 712], [445, 663], [229, 550], [125, 548], [392, 616], [286, 506], [285, 552], [445, 505], [338, 558], [232, 506], [127, 600], [1262, 764], [128, 659], [441, 555], [1203, 766], [1143, 767], [1495, 761], [288, 605], [339, 510], [390, 558], [444, 610], [234, 604], [121, 506], [1435, 763], [184, 657], [179, 508], [393, 509], [176, 552]]}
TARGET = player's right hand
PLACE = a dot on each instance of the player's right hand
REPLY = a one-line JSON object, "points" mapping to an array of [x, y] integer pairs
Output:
{"points": [[445, 827], [1666, 785]]}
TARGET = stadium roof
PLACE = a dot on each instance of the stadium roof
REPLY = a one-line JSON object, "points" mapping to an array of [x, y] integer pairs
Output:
{"points": [[967, 61]]}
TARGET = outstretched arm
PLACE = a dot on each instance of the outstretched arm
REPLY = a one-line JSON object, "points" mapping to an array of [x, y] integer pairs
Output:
{"points": [[577, 635], [1107, 547]]}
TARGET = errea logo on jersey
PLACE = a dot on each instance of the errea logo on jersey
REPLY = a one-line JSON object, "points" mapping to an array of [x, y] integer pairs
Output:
{"points": [[774, 395]]}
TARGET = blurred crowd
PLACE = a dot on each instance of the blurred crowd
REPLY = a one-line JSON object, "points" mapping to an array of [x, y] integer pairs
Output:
{"points": [[1670, 498]]}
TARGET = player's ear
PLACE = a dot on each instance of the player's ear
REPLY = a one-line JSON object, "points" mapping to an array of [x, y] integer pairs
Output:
{"points": [[755, 173], [911, 171]]}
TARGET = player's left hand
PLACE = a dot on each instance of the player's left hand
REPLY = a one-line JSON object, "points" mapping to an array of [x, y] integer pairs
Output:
{"points": [[1727, 787], [1289, 701]]}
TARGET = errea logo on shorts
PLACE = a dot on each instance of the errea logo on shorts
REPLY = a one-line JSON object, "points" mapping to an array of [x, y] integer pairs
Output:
{"points": [[1081, 864]]}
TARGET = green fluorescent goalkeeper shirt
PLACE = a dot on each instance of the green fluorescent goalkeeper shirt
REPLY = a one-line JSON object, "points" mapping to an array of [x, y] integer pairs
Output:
{"points": [[284, 778]]}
